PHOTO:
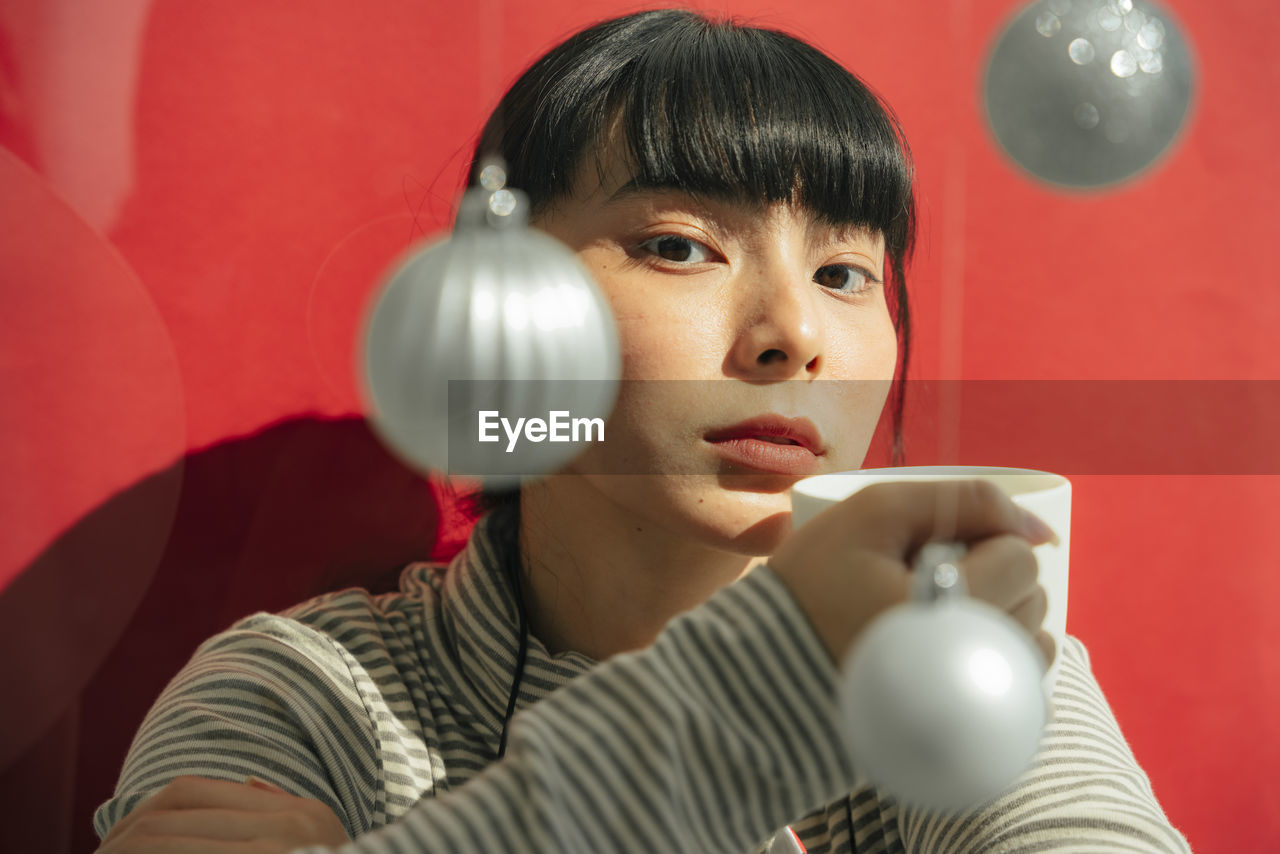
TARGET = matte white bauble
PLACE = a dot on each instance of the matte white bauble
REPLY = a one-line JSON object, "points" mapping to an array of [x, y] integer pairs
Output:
{"points": [[511, 313], [942, 703]]}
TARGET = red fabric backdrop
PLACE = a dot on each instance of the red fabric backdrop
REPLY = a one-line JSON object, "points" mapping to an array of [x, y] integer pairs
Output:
{"points": [[197, 197]]}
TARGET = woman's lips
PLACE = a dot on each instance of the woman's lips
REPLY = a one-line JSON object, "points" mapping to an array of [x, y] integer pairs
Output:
{"points": [[768, 456], [771, 443]]}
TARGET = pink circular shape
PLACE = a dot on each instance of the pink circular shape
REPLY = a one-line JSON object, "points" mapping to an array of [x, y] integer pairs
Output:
{"points": [[92, 437]]}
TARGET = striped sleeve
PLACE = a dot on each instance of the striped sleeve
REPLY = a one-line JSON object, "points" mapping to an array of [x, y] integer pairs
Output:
{"points": [[270, 697], [708, 741], [1084, 792]]}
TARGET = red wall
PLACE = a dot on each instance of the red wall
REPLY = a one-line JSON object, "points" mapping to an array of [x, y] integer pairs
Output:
{"points": [[196, 198]]}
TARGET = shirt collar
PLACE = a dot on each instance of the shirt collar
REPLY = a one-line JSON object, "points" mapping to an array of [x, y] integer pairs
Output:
{"points": [[480, 621]]}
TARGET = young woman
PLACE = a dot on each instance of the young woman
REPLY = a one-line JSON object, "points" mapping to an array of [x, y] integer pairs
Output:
{"points": [[746, 206]]}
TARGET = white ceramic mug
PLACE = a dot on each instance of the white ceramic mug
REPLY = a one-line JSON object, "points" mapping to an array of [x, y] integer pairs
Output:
{"points": [[1044, 494]]}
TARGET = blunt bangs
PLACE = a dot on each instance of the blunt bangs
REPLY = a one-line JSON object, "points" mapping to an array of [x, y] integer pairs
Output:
{"points": [[713, 109], [755, 116]]}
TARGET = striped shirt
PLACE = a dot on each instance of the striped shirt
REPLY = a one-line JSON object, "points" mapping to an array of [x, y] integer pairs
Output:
{"points": [[390, 709]]}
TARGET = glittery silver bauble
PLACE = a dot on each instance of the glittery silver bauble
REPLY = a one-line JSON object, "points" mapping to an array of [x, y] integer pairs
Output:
{"points": [[942, 701], [498, 318], [1086, 93]]}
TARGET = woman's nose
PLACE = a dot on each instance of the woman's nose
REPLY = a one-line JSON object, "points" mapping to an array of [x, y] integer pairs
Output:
{"points": [[780, 334]]}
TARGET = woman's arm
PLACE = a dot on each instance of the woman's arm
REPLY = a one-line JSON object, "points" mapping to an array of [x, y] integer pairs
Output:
{"points": [[709, 740], [717, 735], [270, 698]]}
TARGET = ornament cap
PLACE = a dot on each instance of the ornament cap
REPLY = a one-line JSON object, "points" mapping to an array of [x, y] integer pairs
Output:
{"points": [[936, 573], [497, 209]]}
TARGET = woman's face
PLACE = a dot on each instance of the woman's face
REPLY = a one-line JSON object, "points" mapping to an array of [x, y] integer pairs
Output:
{"points": [[759, 312]]}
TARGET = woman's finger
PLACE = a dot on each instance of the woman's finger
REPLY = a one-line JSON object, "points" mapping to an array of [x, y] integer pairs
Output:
{"points": [[1048, 646], [1001, 570], [215, 824], [1030, 612], [179, 845], [187, 793]]}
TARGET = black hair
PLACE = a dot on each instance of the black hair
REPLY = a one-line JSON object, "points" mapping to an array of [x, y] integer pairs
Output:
{"points": [[719, 109]]}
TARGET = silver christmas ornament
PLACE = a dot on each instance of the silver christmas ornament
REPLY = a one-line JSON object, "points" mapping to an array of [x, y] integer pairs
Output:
{"points": [[1088, 93], [498, 323], [941, 697]]}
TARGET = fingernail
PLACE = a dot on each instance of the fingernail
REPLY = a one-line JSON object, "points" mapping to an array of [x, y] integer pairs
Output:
{"points": [[259, 783], [1037, 530]]}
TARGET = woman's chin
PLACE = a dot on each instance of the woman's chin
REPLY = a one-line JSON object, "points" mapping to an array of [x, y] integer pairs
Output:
{"points": [[750, 518], [744, 522]]}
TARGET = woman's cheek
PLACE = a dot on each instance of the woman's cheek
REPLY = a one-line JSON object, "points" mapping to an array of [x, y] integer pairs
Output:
{"points": [[655, 348], [869, 350], [637, 357]]}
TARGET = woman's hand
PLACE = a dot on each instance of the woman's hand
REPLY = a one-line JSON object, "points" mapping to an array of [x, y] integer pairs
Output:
{"points": [[194, 815], [851, 562]]}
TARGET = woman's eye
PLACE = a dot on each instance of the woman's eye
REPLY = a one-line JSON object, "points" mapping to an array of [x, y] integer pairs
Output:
{"points": [[845, 278], [673, 247]]}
